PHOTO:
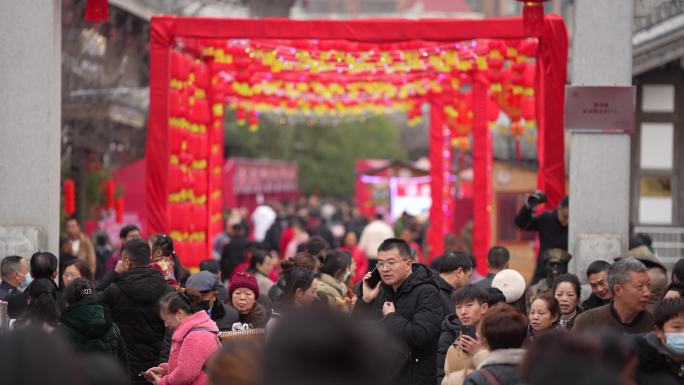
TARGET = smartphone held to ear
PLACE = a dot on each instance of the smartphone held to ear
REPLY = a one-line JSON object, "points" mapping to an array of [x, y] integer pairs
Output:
{"points": [[374, 278]]}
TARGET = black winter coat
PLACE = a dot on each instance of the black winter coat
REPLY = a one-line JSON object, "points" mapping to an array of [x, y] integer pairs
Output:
{"points": [[656, 366], [88, 326], [593, 302], [416, 323], [451, 330], [552, 234], [277, 290], [224, 316], [132, 297], [445, 291]]}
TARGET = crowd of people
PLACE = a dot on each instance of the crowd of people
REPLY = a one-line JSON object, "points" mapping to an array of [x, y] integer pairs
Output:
{"points": [[291, 297]]}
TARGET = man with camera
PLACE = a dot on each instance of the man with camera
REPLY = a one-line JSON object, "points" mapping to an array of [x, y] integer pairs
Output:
{"points": [[552, 226]]}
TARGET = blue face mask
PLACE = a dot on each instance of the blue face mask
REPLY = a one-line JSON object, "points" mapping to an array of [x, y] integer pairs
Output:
{"points": [[27, 281], [675, 343]]}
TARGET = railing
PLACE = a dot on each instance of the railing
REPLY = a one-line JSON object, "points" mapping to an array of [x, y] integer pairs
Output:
{"points": [[668, 242], [647, 15]]}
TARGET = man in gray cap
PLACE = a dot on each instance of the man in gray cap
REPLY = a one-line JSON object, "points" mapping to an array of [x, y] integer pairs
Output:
{"points": [[207, 284]]}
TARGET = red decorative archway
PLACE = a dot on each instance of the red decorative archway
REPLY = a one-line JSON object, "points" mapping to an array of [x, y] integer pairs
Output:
{"points": [[198, 65]]}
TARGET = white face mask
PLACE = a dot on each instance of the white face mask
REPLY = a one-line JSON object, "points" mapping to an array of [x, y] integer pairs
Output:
{"points": [[27, 281], [346, 276]]}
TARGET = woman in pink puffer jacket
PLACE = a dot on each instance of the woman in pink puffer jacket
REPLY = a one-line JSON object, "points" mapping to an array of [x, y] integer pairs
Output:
{"points": [[193, 342]]}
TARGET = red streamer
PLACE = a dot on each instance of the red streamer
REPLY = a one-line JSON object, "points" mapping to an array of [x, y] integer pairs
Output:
{"points": [[109, 194], [119, 210], [482, 178], [517, 149], [69, 197], [438, 227]]}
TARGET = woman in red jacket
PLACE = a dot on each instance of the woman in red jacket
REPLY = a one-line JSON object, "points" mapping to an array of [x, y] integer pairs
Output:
{"points": [[193, 342], [360, 260]]}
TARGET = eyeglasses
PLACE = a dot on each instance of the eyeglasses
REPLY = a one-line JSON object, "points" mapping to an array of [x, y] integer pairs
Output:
{"points": [[390, 263]]}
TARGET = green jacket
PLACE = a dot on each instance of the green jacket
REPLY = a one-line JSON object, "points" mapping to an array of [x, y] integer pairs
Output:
{"points": [[88, 326]]}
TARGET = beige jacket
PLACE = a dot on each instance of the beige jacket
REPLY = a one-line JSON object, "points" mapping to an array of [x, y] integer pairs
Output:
{"points": [[86, 252], [459, 364], [334, 291]]}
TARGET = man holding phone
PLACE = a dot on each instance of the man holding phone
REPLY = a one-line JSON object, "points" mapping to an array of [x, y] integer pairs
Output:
{"points": [[467, 351], [406, 301]]}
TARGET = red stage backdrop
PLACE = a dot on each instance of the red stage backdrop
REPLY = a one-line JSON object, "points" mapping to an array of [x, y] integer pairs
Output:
{"points": [[467, 70]]}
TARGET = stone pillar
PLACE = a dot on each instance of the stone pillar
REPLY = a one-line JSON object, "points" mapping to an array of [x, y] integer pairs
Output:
{"points": [[600, 163], [30, 113]]}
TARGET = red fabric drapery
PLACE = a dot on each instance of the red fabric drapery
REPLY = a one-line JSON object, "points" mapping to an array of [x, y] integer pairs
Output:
{"points": [[550, 83], [550, 86], [482, 183], [438, 224]]}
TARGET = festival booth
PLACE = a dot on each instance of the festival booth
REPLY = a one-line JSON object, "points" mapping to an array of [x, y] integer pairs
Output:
{"points": [[467, 71], [250, 182], [392, 187]]}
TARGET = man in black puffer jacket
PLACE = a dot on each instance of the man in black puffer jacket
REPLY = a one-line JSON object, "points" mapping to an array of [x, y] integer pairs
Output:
{"points": [[408, 303], [132, 291]]}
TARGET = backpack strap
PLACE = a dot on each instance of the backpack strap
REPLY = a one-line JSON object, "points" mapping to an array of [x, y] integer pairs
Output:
{"points": [[489, 376], [218, 340]]}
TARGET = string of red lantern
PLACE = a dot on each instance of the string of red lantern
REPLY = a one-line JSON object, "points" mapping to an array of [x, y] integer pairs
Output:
{"points": [[246, 77]]}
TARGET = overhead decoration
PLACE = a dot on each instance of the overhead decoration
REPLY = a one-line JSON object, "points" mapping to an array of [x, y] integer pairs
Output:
{"points": [[203, 67], [341, 78]]}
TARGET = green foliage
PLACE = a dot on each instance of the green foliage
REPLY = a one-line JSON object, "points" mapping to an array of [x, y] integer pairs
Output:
{"points": [[326, 154]]}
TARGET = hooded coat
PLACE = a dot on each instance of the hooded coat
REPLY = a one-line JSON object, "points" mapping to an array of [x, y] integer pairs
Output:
{"points": [[88, 326], [333, 292], [132, 297], [502, 364], [192, 344], [656, 365], [415, 324]]}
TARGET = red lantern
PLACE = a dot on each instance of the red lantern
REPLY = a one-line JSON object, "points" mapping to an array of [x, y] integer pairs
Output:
{"points": [[495, 64], [201, 74], [175, 179], [533, 13], [119, 210], [200, 186], [528, 47], [69, 197], [109, 194], [180, 65], [96, 11], [493, 112], [528, 108], [240, 116]]}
